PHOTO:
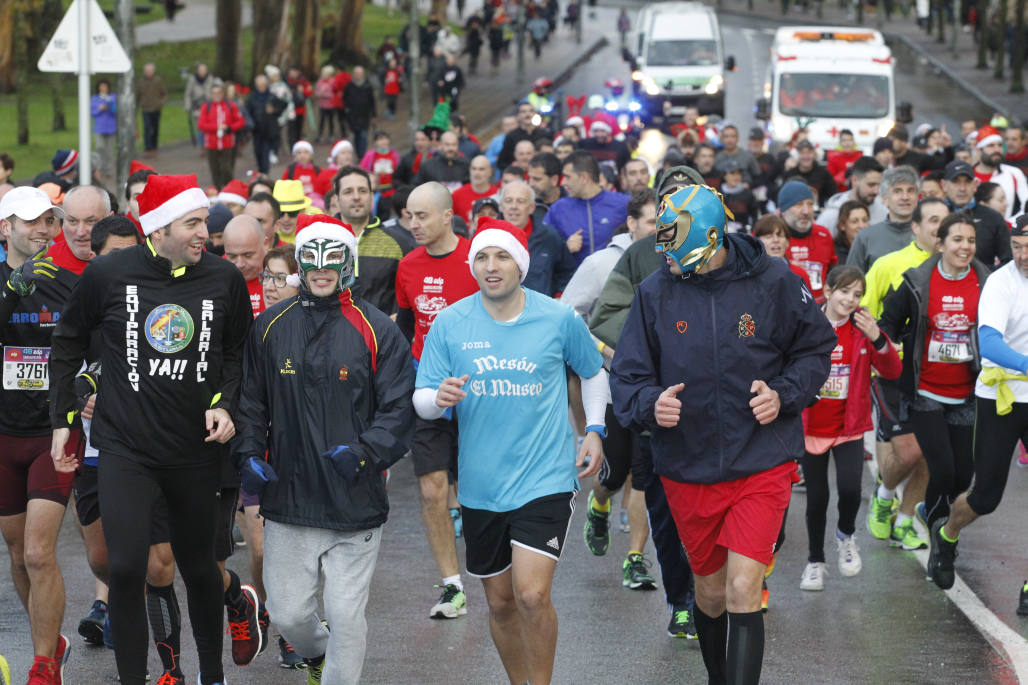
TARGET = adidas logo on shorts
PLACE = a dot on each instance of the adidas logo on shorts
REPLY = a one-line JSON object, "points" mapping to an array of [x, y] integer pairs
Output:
{"points": [[553, 543]]}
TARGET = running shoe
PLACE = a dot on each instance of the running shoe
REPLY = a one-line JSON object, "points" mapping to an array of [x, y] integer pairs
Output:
{"points": [[169, 678], [288, 658], [264, 623], [921, 514], [42, 672], [765, 597], [813, 579], [849, 556], [941, 558], [91, 628], [597, 529], [452, 603], [1022, 455], [1022, 605], [635, 570], [903, 535], [61, 658], [5, 672], [243, 626], [237, 536], [682, 623], [879, 516], [458, 522], [314, 668]]}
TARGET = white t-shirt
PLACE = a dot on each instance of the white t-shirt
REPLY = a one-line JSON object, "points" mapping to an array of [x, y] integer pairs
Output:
{"points": [[1004, 306]]}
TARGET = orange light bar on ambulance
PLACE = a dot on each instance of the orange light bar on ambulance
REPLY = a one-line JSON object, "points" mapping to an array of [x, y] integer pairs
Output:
{"points": [[851, 37]]}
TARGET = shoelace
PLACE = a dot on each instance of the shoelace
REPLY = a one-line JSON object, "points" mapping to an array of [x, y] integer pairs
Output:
{"points": [[169, 679], [240, 630], [681, 616]]}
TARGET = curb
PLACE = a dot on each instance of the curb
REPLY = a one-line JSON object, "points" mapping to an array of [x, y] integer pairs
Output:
{"points": [[938, 64]]}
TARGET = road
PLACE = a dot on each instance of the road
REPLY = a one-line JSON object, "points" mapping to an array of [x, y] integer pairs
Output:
{"points": [[884, 625]]}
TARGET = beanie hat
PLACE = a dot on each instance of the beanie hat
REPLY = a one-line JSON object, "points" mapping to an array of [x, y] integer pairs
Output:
{"points": [[135, 165], [167, 198], [234, 192], [303, 145], [218, 218], [64, 161], [793, 193], [987, 135], [311, 227], [504, 235], [338, 147]]}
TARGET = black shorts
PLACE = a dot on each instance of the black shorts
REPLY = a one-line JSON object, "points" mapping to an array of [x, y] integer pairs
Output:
{"points": [[224, 545], [87, 505], [619, 452], [995, 438], [540, 525], [887, 398], [435, 446]]}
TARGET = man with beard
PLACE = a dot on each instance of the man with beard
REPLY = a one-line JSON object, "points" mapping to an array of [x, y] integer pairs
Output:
{"points": [[990, 167], [865, 177]]}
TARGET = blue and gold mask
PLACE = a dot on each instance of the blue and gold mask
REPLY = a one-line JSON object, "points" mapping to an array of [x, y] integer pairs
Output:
{"points": [[691, 225]]}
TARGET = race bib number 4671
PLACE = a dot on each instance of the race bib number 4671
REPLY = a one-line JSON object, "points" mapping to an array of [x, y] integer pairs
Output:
{"points": [[26, 368]]}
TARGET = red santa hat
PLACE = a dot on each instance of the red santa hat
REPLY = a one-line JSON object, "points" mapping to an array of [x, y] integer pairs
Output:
{"points": [[135, 165], [303, 145], [167, 198], [338, 147], [987, 135], [504, 235], [313, 226], [599, 125], [235, 192]]}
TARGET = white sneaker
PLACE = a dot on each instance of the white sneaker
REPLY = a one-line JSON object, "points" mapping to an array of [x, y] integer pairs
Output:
{"points": [[813, 579], [849, 556]]}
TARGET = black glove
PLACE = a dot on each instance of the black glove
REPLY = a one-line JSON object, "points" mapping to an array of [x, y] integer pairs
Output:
{"points": [[346, 461], [23, 280], [256, 474]]}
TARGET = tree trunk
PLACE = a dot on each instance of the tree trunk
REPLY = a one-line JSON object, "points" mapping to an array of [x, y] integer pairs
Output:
{"points": [[57, 100], [940, 16], [1017, 82], [226, 50], [21, 70], [280, 54], [267, 15], [7, 46], [1001, 56], [349, 45], [125, 27], [438, 10], [305, 50], [983, 40]]}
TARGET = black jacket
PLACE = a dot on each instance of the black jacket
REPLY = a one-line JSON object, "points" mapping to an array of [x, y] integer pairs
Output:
{"points": [[359, 104], [449, 172], [322, 372], [380, 248], [550, 265], [265, 123], [992, 236], [172, 349]]}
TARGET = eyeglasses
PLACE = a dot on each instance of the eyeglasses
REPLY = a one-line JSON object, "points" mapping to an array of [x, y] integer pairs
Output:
{"points": [[279, 279]]}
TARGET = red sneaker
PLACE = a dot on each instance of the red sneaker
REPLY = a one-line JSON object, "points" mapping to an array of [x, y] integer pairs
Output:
{"points": [[170, 678], [61, 658], [244, 628], [43, 672]]}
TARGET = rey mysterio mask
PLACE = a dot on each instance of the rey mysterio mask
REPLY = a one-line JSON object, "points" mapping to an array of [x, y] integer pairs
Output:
{"points": [[691, 225], [324, 253]]}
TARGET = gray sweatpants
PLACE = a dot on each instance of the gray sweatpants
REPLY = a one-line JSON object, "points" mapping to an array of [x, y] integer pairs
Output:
{"points": [[300, 562]]}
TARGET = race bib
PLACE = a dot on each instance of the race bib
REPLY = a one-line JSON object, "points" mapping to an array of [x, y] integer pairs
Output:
{"points": [[837, 387], [814, 270], [26, 368], [950, 347]]}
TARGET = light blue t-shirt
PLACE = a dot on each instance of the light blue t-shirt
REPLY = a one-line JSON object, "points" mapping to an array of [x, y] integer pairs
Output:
{"points": [[515, 439]]}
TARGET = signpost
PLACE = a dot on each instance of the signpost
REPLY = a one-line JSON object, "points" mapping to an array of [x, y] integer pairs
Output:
{"points": [[84, 43]]}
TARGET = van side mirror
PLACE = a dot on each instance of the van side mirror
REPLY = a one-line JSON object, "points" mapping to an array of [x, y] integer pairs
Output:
{"points": [[730, 63], [763, 109]]}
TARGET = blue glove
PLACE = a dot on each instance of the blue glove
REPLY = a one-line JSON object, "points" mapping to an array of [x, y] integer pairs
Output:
{"points": [[346, 461], [256, 474]]}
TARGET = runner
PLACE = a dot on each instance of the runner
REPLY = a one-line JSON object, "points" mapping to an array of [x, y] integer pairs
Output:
{"points": [[838, 421], [180, 392], [33, 496], [810, 245], [499, 357], [743, 475], [430, 278], [898, 192], [323, 519]]}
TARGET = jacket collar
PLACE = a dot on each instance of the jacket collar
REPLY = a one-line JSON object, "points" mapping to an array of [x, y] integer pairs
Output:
{"points": [[160, 262]]}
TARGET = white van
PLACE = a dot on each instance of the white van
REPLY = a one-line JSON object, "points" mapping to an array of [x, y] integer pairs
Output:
{"points": [[677, 56], [827, 79]]}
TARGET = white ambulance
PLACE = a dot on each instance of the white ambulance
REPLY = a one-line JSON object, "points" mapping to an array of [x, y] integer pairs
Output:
{"points": [[826, 79]]}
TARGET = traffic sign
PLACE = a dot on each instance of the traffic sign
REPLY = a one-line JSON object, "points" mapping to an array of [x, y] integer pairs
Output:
{"points": [[105, 52]]}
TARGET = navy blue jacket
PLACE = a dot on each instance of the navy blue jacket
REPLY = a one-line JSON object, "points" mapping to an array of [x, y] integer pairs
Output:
{"points": [[751, 319], [551, 265]]}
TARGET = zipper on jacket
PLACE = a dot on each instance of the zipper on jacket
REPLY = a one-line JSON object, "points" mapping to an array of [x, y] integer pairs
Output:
{"points": [[717, 386]]}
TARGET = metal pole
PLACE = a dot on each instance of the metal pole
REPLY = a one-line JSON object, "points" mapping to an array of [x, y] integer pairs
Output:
{"points": [[85, 163], [125, 26], [414, 83], [521, 41]]}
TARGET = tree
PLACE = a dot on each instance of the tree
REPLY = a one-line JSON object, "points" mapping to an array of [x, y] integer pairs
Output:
{"points": [[306, 45], [6, 45], [267, 15], [349, 43], [226, 50]]}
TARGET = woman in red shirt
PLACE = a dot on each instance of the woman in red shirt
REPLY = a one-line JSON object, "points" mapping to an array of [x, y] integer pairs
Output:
{"points": [[934, 313], [838, 421]]}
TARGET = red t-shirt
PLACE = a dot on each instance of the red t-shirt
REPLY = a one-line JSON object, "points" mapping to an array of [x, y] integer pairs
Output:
{"points": [[464, 199], [827, 418], [947, 364], [256, 296], [815, 254], [63, 257], [305, 173], [392, 82], [383, 166], [427, 285]]}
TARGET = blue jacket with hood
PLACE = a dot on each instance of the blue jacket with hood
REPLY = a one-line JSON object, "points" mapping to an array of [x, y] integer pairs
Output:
{"points": [[751, 319]]}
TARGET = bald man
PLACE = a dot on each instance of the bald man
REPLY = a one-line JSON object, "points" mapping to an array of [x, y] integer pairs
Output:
{"points": [[550, 265], [245, 246], [83, 207], [433, 276], [481, 185], [448, 167]]}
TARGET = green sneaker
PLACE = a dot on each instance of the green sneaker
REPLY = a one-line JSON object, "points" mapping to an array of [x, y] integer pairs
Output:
{"points": [[314, 669], [452, 603], [597, 529], [636, 574], [903, 535], [879, 517]]}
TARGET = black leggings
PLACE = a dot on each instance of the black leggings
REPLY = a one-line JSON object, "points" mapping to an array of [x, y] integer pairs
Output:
{"points": [[947, 442], [619, 449], [849, 464], [995, 438], [128, 492]]}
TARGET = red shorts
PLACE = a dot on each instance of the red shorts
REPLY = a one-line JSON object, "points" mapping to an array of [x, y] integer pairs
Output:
{"points": [[742, 515], [27, 472]]}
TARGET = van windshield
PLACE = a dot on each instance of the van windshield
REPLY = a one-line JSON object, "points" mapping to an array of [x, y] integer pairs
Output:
{"points": [[854, 96], [687, 53]]}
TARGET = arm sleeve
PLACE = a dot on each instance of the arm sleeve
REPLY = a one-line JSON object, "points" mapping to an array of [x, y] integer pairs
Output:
{"points": [[608, 316], [595, 398], [565, 267], [238, 323], [857, 254], [69, 344], [252, 417], [896, 310], [885, 359], [997, 351], [392, 431], [425, 405], [580, 293], [635, 378]]}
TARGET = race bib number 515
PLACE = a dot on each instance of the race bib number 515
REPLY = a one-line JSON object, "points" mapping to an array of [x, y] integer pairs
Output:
{"points": [[26, 368]]}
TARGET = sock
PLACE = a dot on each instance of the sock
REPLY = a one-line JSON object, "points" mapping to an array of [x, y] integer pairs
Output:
{"points": [[942, 534], [745, 648], [884, 492], [454, 580], [600, 508], [713, 636], [632, 551], [234, 593], [166, 623], [901, 518], [841, 536]]}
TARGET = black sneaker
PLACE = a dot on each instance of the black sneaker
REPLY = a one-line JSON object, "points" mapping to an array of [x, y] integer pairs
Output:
{"points": [[682, 623], [597, 529], [1022, 604], [287, 656], [91, 628], [941, 557], [636, 574]]}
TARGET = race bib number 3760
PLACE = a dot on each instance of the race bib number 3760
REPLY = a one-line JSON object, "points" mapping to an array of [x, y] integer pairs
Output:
{"points": [[26, 368]]}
